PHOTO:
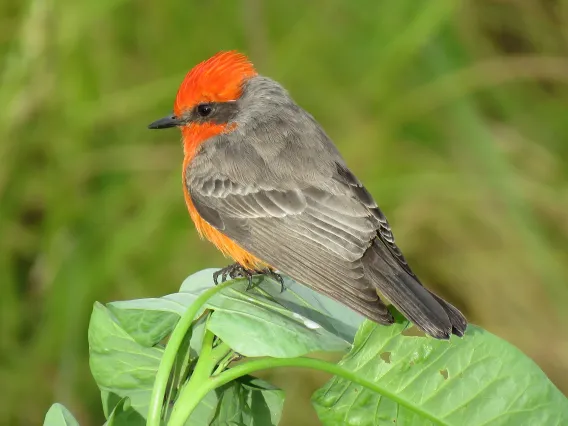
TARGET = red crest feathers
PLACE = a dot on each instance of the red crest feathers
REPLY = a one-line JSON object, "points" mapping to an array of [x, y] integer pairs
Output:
{"points": [[217, 79]]}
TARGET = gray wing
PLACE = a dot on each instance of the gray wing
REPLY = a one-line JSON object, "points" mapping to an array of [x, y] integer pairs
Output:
{"points": [[315, 236], [319, 226]]}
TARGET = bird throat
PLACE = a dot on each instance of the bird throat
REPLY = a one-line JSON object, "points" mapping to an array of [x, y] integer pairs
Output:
{"points": [[195, 134]]}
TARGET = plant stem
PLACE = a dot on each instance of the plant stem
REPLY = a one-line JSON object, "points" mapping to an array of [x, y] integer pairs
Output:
{"points": [[208, 359], [188, 402], [168, 359], [219, 353], [224, 362], [200, 372]]}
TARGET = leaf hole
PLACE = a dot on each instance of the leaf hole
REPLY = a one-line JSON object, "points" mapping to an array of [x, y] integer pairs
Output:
{"points": [[386, 357], [414, 332], [444, 373]]}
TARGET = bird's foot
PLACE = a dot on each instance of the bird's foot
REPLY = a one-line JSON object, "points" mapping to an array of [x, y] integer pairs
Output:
{"points": [[236, 270], [233, 271], [275, 276]]}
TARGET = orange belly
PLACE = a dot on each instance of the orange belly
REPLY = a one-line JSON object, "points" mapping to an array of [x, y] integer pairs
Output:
{"points": [[227, 246]]}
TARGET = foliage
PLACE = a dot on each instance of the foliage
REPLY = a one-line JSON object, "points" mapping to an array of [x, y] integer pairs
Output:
{"points": [[390, 374], [453, 114]]}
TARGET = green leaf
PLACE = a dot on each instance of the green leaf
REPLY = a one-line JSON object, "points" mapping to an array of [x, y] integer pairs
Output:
{"points": [[158, 316], [245, 401], [297, 321], [147, 326], [120, 366], [330, 314], [248, 402], [124, 415], [204, 412], [58, 415], [253, 325], [477, 380], [148, 321]]}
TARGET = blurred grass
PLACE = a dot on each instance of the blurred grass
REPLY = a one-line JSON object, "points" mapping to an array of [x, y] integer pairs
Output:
{"points": [[452, 113]]}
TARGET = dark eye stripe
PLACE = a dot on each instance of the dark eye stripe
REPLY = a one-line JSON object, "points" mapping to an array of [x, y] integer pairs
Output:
{"points": [[214, 112]]}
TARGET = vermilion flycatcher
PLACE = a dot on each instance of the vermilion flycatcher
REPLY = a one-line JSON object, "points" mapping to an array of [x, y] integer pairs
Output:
{"points": [[266, 185]]}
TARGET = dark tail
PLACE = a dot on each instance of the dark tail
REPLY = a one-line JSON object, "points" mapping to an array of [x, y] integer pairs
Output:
{"points": [[428, 311], [459, 323]]}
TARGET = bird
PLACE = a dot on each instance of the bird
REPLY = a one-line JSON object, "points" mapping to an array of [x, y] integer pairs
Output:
{"points": [[267, 186]]}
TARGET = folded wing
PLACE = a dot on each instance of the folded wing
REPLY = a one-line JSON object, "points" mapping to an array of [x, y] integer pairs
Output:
{"points": [[327, 233]]}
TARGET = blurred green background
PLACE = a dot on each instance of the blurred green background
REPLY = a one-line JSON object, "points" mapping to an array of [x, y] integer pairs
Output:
{"points": [[452, 113]]}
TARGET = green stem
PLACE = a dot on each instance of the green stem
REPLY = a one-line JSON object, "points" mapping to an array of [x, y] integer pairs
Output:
{"points": [[208, 359], [187, 403], [223, 363], [202, 368], [168, 359], [219, 353]]}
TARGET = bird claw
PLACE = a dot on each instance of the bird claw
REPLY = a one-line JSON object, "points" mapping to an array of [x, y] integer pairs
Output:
{"points": [[275, 276], [236, 270], [216, 276], [225, 273], [249, 285]]}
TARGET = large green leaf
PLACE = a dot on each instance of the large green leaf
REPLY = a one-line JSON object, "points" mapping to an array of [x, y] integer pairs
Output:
{"points": [[121, 366], [281, 324], [327, 312], [58, 415], [146, 325], [477, 380], [149, 320], [254, 325], [330, 314], [124, 371]]}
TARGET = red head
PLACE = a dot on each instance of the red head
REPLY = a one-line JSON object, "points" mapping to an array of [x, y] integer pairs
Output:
{"points": [[218, 79], [206, 97]]}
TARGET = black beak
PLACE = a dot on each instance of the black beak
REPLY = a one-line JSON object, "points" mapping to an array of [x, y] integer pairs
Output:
{"points": [[164, 123]]}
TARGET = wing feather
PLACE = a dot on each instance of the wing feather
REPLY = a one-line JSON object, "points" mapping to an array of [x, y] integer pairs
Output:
{"points": [[321, 227], [315, 244]]}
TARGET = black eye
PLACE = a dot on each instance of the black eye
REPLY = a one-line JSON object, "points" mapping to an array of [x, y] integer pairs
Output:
{"points": [[204, 109]]}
